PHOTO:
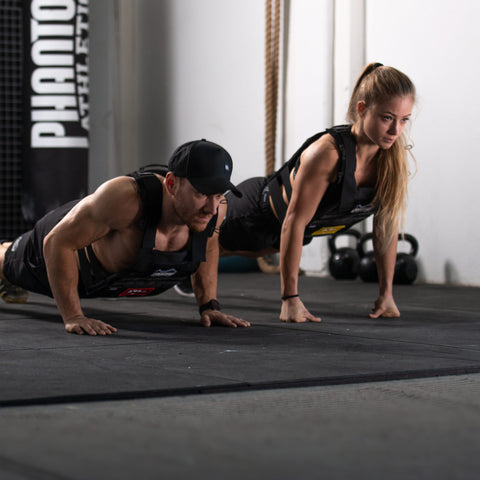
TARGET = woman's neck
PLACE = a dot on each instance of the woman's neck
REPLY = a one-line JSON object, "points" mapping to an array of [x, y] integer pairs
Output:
{"points": [[366, 150]]}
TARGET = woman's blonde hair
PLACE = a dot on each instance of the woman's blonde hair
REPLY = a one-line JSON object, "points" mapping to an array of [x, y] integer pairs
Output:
{"points": [[376, 84]]}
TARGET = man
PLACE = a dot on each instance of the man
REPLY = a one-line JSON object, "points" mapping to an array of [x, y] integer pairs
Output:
{"points": [[135, 235]]}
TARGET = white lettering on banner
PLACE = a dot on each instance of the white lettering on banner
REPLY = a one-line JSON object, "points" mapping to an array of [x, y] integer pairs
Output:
{"points": [[58, 111], [40, 55], [38, 30], [53, 80], [53, 10], [52, 135], [59, 80]]}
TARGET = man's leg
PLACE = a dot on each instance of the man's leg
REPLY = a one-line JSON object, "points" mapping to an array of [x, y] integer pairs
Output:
{"points": [[3, 248], [8, 292]]}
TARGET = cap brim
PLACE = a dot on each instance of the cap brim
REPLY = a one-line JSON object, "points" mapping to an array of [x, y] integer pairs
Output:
{"points": [[235, 190], [212, 186]]}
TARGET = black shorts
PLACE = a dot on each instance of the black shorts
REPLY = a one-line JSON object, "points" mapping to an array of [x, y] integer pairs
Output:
{"points": [[24, 264], [250, 224]]}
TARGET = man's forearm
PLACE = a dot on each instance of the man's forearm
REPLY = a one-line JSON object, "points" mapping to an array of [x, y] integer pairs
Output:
{"points": [[62, 274], [205, 279], [204, 283]]}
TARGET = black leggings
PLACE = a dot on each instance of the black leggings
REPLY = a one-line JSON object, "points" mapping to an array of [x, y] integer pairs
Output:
{"points": [[24, 264], [250, 224]]}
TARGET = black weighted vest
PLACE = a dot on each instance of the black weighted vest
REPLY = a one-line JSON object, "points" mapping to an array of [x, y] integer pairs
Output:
{"points": [[154, 271], [343, 204]]}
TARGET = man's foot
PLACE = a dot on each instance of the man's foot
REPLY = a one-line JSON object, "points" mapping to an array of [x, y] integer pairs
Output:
{"points": [[184, 288], [11, 293]]}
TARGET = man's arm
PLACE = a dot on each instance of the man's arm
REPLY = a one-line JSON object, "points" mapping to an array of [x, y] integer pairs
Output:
{"points": [[92, 218], [204, 282], [63, 279]]}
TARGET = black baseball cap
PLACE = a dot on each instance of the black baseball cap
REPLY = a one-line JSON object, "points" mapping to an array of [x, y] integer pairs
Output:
{"points": [[206, 165]]}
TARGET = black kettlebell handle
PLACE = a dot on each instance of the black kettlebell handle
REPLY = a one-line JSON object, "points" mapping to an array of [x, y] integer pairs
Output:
{"points": [[363, 239], [332, 239], [407, 237], [412, 241]]}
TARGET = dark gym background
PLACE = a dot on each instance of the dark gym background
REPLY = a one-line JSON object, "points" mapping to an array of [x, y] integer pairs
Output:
{"points": [[11, 118]]}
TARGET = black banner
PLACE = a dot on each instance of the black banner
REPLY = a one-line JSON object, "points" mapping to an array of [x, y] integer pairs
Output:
{"points": [[55, 160]]}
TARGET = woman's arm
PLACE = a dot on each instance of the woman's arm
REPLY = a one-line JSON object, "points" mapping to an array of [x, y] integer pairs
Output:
{"points": [[318, 168], [385, 257]]}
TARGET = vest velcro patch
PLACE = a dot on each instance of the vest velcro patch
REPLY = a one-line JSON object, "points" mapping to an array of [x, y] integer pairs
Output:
{"points": [[136, 292], [327, 230]]}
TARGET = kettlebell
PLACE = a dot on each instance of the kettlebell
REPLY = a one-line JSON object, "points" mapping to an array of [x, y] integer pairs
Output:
{"points": [[343, 262], [406, 266], [367, 268]]}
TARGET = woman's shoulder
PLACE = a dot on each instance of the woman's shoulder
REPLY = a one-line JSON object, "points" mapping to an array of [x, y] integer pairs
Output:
{"points": [[322, 153]]}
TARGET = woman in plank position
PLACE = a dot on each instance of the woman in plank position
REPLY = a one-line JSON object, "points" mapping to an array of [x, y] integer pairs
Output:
{"points": [[337, 178]]}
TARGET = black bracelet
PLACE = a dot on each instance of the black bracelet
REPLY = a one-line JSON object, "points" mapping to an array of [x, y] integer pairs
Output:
{"points": [[286, 297], [210, 305]]}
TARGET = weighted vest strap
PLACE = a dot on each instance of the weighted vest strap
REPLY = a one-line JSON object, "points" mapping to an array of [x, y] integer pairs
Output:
{"points": [[346, 144], [346, 174], [91, 271], [282, 177], [151, 194]]}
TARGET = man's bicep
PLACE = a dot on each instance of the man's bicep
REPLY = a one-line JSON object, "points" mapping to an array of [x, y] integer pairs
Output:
{"points": [[79, 228], [113, 206]]}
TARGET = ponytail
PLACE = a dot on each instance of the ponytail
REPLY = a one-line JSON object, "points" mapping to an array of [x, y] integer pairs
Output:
{"points": [[376, 84]]}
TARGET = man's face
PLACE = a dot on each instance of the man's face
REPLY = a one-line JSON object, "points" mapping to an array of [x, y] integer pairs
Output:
{"points": [[195, 209]]}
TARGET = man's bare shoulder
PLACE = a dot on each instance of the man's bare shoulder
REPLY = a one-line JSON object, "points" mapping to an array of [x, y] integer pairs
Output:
{"points": [[118, 186], [115, 202]]}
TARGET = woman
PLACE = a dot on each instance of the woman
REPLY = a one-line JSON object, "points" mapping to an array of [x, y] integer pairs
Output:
{"points": [[337, 178]]}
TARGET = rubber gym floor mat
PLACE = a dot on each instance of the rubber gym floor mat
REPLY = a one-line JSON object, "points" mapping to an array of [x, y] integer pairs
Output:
{"points": [[160, 348]]}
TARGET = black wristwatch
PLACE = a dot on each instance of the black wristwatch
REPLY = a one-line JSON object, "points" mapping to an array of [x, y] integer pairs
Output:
{"points": [[210, 305]]}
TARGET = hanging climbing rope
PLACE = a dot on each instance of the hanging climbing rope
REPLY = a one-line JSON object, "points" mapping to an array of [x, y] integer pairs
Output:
{"points": [[272, 49]]}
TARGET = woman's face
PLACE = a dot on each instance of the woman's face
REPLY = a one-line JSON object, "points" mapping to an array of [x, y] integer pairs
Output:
{"points": [[384, 122]]}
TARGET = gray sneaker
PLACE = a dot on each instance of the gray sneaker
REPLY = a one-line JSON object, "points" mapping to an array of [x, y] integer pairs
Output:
{"points": [[11, 293], [184, 288]]}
